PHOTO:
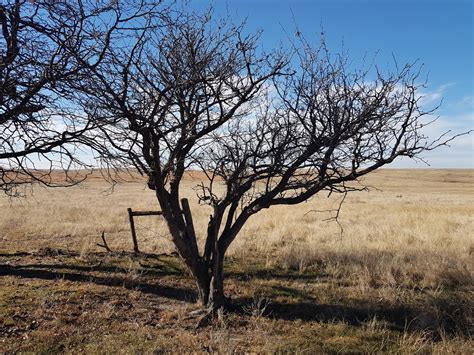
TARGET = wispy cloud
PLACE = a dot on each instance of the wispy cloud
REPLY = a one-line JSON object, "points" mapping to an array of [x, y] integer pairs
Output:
{"points": [[455, 117], [434, 98]]}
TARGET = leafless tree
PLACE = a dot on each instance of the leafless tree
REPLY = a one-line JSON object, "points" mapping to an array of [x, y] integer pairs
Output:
{"points": [[43, 47], [265, 129]]}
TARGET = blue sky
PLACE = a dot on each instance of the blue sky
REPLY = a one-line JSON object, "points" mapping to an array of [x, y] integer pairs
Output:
{"points": [[438, 33]]}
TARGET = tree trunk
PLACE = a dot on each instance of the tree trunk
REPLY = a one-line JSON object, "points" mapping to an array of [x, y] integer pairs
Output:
{"points": [[216, 293], [210, 284], [202, 279], [206, 270]]}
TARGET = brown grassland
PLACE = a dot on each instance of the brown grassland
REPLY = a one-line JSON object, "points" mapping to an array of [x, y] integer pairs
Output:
{"points": [[398, 279]]}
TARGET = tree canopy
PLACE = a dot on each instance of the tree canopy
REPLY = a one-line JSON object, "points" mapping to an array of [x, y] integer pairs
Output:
{"points": [[43, 47]]}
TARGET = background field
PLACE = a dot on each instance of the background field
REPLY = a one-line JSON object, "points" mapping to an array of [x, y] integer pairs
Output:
{"points": [[398, 278]]}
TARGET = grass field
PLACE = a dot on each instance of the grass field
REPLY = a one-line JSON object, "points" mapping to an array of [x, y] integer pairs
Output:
{"points": [[397, 278]]}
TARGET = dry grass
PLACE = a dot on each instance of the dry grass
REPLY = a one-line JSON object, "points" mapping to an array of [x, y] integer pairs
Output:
{"points": [[416, 229], [398, 279]]}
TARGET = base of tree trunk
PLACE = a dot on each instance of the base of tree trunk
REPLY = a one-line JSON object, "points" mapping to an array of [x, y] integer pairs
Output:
{"points": [[210, 315], [211, 312]]}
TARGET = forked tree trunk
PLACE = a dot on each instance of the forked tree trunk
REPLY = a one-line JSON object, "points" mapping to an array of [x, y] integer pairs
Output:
{"points": [[207, 271]]}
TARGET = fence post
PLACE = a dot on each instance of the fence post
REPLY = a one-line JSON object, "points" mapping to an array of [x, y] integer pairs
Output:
{"points": [[132, 227]]}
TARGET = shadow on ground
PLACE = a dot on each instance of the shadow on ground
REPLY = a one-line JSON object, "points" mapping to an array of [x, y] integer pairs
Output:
{"points": [[45, 272], [450, 316]]}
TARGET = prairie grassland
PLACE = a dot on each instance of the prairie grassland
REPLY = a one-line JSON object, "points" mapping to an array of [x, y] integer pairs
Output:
{"points": [[398, 278], [411, 222]]}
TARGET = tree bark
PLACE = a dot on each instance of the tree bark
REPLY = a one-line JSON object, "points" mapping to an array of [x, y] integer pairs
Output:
{"points": [[216, 293], [202, 280]]}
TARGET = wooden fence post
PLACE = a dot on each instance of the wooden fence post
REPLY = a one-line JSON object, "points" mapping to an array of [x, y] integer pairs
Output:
{"points": [[132, 227], [189, 225]]}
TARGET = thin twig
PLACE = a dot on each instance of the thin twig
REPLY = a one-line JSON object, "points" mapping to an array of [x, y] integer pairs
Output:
{"points": [[333, 218], [105, 245]]}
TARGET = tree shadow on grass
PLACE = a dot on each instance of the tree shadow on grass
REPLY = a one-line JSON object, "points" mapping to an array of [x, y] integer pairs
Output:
{"points": [[163, 269], [448, 315], [34, 271], [438, 318], [326, 313]]}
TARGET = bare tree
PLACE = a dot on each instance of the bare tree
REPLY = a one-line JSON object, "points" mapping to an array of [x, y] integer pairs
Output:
{"points": [[265, 129], [41, 42]]}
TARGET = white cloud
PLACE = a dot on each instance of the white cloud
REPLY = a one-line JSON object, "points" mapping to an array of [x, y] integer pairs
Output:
{"points": [[434, 98], [459, 153], [457, 117]]}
